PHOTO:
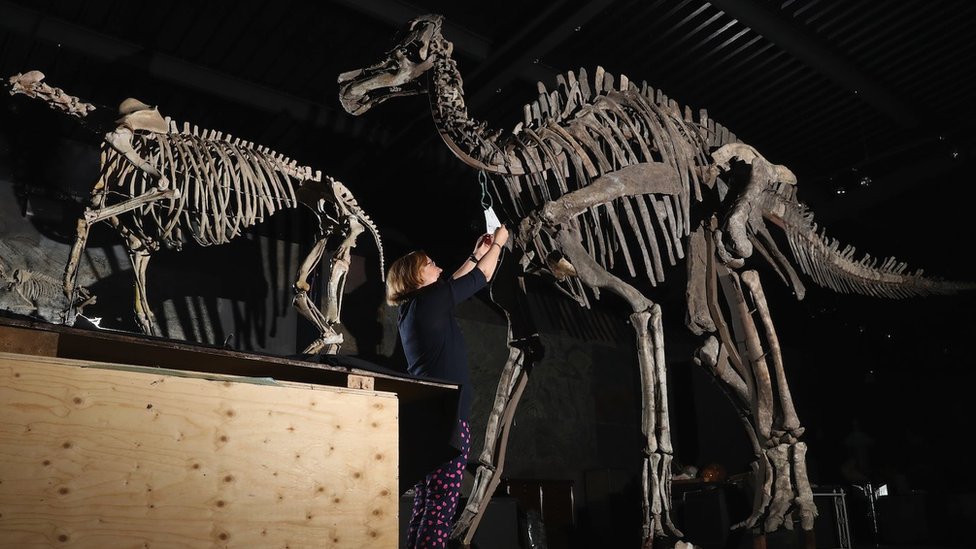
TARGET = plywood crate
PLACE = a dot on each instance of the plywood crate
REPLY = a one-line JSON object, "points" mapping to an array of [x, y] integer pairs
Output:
{"points": [[105, 455]]}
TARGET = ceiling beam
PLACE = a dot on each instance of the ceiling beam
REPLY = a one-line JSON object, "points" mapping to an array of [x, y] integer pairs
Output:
{"points": [[805, 46], [546, 36]]}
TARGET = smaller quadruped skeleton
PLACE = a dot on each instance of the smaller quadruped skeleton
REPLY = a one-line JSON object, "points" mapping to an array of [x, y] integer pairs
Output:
{"points": [[161, 186]]}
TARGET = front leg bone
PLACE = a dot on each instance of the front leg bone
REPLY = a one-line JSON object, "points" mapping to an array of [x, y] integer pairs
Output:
{"points": [[511, 385], [327, 335], [655, 421], [152, 195]]}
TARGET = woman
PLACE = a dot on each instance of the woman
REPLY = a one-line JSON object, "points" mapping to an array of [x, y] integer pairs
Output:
{"points": [[434, 347]]}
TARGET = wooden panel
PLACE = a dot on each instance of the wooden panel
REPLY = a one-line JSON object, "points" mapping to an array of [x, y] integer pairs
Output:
{"points": [[27, 341], [103, 457]]}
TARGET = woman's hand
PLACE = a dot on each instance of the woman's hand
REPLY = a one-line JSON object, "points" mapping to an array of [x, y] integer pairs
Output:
{"points": [[500, 237], [482, 246], [488, 265]]}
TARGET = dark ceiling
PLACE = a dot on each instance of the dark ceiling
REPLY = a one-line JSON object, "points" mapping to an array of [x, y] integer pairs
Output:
{"points": [[869, 102]]}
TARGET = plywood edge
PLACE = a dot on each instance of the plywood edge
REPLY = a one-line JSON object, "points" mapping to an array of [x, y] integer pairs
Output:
{"points": [[113, 347], [270, 381]]}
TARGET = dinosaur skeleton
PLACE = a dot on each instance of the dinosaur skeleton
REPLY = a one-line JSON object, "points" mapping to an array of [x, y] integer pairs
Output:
{"points": [[33, 290], [603, 172], [161, 186]]}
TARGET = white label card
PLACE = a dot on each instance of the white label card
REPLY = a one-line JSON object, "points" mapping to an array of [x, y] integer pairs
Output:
{"points": [[491, 221]]}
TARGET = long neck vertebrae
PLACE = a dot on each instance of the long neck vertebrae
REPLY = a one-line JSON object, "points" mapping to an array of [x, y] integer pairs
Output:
{"points": [[465, 136]]}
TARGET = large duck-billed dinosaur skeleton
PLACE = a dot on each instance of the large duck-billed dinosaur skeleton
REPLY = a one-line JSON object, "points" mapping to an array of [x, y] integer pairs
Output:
{"points": [[602, 172], [161, 186]]}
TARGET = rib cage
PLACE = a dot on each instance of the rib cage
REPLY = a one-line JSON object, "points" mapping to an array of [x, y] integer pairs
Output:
{"points": [[603, 128], [225, 186], [606, 127], [246, 184]]}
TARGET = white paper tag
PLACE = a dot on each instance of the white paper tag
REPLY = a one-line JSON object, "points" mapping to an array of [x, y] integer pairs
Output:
{"points": [[491, 221]]}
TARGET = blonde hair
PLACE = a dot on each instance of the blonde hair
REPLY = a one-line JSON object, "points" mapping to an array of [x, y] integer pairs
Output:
{"points": [[404, 277]]}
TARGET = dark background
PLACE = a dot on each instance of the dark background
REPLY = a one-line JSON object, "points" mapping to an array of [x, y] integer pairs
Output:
{"points": [[869, 103]]}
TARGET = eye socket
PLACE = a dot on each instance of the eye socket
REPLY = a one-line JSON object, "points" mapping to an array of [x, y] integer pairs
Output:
{"points": [[400, 37]]}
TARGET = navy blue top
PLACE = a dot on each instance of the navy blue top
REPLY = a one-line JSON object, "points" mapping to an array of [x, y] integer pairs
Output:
{"points": [[431, 336]]}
